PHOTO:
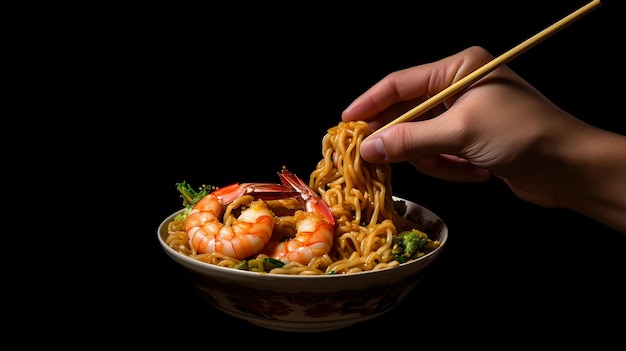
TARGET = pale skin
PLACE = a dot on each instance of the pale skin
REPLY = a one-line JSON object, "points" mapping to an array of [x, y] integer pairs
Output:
{"points": [[500, 126]]}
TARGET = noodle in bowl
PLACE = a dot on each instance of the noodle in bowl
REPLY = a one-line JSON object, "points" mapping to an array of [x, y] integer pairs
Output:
{"points": [[310, 303], [364, 270]]}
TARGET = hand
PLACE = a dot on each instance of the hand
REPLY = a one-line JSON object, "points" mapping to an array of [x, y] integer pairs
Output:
{"points": [[500, 125]]}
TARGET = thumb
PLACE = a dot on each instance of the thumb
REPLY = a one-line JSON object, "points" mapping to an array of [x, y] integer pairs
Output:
{"points": [[430, 148], [408, 140]]}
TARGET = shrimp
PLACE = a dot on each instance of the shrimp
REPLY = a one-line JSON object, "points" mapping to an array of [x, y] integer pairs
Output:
{"points": [[314, 226], [251, 232], [312, 201], [314, 237], [242, 237]]}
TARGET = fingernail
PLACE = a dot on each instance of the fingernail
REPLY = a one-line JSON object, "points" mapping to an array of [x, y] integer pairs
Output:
{"points": [[373, 150]]}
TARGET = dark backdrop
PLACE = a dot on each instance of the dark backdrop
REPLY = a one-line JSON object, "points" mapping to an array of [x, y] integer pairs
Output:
{"points": [[221, 95]]}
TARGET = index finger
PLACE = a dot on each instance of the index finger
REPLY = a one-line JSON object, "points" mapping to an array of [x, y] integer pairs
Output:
{"points": [[402, 90]]}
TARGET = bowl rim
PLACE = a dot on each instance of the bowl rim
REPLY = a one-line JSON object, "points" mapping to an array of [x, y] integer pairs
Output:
{"points": [[203, 266]]}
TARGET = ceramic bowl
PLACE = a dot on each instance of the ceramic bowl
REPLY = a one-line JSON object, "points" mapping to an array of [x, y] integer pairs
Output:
{"points": [[310, 303]]}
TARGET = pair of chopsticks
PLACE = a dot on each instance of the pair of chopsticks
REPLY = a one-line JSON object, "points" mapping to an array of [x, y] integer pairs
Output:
{"points": [[491, 65]]}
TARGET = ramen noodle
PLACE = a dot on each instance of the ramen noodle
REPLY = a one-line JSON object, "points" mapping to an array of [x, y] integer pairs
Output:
{"points": [[359, 196]]}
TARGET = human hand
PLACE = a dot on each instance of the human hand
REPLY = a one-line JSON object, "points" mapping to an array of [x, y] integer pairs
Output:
{"points": [[500, 125]]}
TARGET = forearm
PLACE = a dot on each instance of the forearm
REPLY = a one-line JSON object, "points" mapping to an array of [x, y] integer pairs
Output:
{"points": [[596, 182]]}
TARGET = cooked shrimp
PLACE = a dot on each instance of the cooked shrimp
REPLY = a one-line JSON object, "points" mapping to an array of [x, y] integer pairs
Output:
{"points": [[314, 238], [242, 237], [251, 232], [314, 227]]}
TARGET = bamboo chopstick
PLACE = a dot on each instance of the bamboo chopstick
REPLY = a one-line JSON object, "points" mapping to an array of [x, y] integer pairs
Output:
{"points": [[491, 65]]}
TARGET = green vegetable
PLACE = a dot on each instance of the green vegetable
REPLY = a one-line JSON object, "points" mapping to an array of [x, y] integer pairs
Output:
{"points": [[259, 265], [191, 196], [409, 245]]}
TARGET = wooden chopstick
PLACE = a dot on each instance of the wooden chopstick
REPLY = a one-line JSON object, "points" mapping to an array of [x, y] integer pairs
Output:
{"points": [[491, 65]]}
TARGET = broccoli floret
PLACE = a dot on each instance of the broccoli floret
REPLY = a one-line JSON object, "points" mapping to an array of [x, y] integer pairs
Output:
{"points": [[191, 196], [409, 245]]}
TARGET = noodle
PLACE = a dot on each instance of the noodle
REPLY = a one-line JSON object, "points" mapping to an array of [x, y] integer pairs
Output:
{"points": [[359, 196]]}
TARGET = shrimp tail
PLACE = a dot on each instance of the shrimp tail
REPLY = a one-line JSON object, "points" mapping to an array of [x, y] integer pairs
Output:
{"points": [[309, 198]]}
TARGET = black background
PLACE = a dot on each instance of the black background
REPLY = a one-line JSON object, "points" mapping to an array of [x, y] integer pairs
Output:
{"points": [[220, 95]]}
